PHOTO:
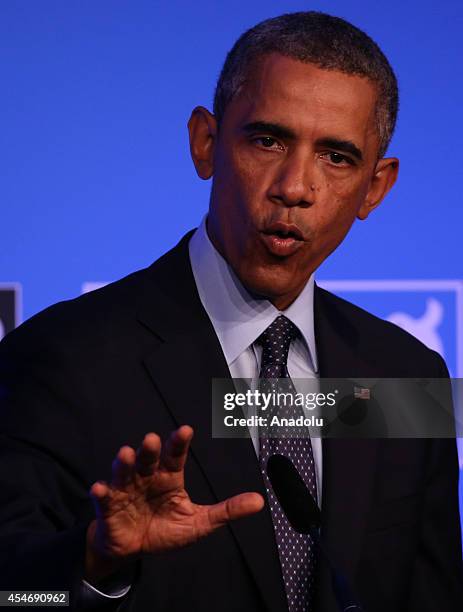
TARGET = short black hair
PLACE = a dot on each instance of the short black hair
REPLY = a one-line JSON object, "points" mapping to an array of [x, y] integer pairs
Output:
{"points": [[324, 40]]}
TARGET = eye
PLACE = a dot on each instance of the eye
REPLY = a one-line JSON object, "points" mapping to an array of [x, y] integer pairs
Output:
{"points": [[338, 159], [268, 142]]}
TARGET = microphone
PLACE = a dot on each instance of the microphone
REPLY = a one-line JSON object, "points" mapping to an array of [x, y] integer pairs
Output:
{"points": [[304, 516]]}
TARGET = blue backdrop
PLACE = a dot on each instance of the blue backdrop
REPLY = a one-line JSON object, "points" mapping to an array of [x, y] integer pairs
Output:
{"points": [[95, 174]]}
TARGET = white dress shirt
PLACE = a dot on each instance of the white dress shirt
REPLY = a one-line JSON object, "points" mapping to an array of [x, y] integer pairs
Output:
{"points": [[239, 319]]}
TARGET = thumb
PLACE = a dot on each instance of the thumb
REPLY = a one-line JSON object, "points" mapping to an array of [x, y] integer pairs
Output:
{"points": [[234, 508]]}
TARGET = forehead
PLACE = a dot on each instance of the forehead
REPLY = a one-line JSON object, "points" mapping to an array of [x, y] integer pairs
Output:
{"points": [[306, 98]]}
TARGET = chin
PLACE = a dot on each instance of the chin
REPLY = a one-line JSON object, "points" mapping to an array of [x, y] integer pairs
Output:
{"points": [[270, 284]]}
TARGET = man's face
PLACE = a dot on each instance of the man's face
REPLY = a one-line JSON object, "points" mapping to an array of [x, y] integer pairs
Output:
{"points": [[294, 163]]}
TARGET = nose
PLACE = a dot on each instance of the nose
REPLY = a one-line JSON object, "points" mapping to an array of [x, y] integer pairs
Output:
{"points": [[294, 182]]}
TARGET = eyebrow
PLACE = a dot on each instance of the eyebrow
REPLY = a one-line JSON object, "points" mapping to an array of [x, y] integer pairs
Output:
{"points": [[281, 131], [275, 129]]}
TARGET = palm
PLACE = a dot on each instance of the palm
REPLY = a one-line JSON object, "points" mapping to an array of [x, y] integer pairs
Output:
{"points": [[146, 509]]}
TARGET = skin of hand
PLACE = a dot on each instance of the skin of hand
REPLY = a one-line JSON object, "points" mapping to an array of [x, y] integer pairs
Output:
{"points": [[146, 509]]}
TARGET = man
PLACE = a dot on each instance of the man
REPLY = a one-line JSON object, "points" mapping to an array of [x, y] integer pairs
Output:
{"points": [[303, 113]]}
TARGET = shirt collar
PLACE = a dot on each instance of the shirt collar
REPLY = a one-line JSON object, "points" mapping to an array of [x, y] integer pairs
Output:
{"points": [[238, 317]]}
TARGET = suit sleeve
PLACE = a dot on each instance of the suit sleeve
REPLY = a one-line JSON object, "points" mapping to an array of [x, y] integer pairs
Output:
{"points": [[437, 581], [46, 455]]}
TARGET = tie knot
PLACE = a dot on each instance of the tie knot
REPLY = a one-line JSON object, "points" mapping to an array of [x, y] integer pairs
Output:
{"points": [[275, 341]]}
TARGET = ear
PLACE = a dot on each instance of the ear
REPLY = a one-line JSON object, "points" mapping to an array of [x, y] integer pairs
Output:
{"points": [[383, 179], [202, 128]]}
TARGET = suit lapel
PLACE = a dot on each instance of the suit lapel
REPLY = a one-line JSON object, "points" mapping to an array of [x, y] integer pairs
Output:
{"points": [[187, 358], [348, 464]]}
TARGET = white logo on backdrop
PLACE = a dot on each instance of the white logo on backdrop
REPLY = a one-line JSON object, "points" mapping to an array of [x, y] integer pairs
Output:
{"points": [[425, 327]]}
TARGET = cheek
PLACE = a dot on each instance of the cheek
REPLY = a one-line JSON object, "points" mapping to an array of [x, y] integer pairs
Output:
{"points": [[248, 179], [342, 186], [331, 225], [236, 201], [342, 195], [335, 208]]}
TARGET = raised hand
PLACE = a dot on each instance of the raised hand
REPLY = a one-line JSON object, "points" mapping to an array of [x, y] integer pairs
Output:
{"points": [[146, 509]]}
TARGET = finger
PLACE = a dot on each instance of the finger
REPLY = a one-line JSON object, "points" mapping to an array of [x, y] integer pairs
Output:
{"points": [[148, 455], [234, 508], [123, 467], [175, 450], [100, 494]]}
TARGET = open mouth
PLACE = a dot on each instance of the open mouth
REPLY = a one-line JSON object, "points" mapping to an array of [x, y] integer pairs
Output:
{"points": [[284, 230], [282, 239]]}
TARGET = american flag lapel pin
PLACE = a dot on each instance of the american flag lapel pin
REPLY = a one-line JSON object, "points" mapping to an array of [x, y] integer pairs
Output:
{"points": [[361, 393]]}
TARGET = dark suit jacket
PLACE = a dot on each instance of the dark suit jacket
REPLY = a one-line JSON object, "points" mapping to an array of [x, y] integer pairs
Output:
{"points": [[86, 376]]}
